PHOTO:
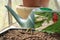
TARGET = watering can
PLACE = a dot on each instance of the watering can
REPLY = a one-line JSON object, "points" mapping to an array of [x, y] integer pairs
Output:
{"points": [[24, 23]]}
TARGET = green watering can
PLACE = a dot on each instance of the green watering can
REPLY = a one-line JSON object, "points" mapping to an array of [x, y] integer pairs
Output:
{"points": [[24, 23]]}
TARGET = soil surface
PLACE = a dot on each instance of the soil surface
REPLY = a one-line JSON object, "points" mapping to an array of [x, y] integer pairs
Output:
{"points": [[31, 35]]}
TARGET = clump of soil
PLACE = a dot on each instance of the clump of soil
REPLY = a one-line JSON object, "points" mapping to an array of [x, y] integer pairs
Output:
{"points": [[23, 35]]}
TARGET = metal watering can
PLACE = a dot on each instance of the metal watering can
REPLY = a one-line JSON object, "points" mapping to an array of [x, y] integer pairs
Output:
{"points": [[24, 23]]}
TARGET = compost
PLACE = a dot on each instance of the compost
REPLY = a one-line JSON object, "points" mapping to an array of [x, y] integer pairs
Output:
{"points": [[30, 35]]}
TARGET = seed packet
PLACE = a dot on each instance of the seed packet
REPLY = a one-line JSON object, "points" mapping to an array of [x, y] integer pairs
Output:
{"points": [[47, 20]]}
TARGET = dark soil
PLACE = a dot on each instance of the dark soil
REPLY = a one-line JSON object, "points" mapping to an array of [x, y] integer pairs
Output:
{"points": [[23, 35]]}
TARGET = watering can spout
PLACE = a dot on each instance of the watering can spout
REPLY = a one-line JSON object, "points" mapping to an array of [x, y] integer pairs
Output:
{"points": [[17, 17]]}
